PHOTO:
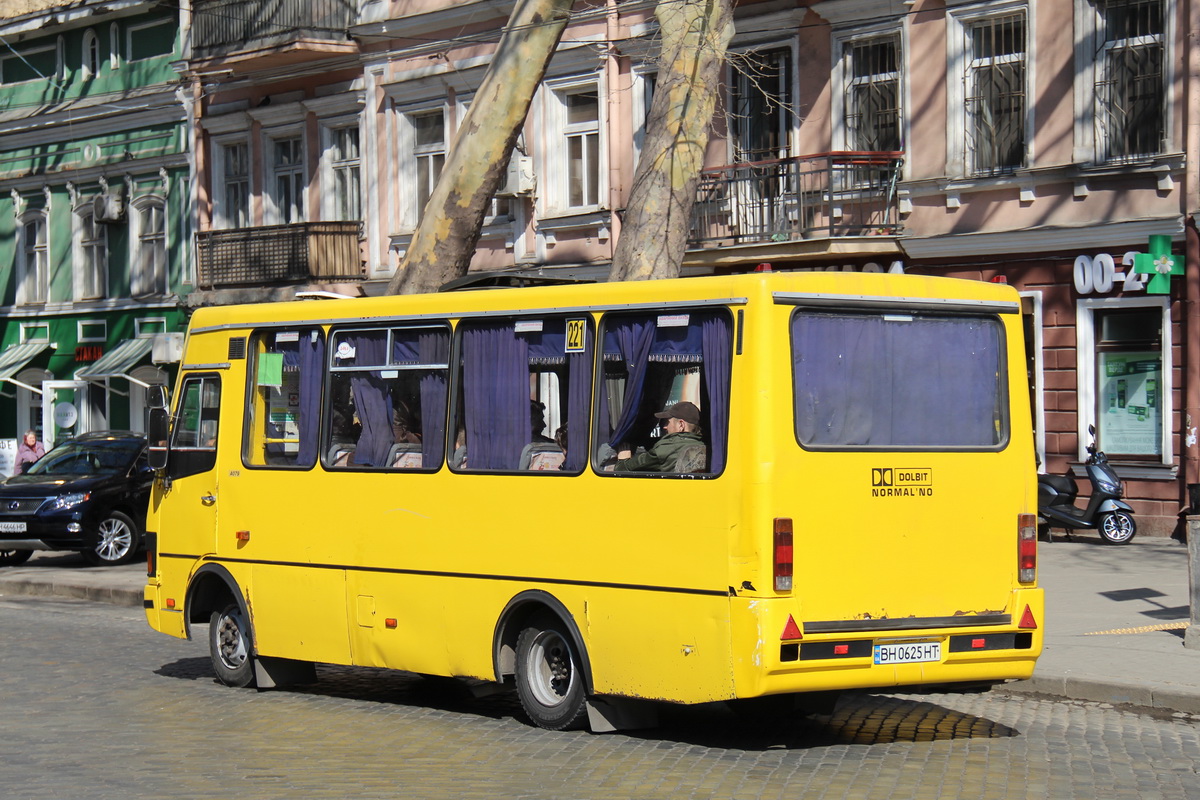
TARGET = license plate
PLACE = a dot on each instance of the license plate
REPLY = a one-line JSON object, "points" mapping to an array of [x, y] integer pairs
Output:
{"points": [[908, 652], [12, 527]]}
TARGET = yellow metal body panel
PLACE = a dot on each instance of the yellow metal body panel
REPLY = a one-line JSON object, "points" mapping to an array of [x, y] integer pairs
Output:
{"points": [[669, 582]]}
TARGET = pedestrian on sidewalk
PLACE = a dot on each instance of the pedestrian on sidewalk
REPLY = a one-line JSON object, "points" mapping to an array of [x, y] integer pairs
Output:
{"points": [[28, 452]]}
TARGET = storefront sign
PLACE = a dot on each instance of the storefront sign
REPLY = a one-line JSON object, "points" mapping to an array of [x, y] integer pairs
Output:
{"points": [[1159, 265], [1098, 274], [88, 352]]}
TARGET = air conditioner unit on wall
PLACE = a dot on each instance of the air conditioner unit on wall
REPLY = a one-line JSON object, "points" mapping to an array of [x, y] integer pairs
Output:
{"points": [[520, 179], [108, 207]]}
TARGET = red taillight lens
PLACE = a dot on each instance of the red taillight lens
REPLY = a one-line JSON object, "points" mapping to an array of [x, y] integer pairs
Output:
{"points": [[783, 554], [1026, 548]]}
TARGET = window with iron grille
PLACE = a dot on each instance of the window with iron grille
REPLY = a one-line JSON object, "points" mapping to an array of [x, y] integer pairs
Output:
{"points": [[994, 94], [1130, 94], [872, 94]]}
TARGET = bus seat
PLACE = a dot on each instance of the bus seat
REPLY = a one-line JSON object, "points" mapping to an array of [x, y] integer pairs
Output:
{"points": [[692, 459], [541, 455], [405, 455], [339, 455]]}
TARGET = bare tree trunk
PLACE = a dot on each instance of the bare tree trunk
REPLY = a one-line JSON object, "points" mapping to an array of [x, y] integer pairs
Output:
{"points": [[654, 233], [444, 242]]}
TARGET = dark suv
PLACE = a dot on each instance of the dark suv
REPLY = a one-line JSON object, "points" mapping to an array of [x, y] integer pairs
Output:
{"points": [[87, 494]]}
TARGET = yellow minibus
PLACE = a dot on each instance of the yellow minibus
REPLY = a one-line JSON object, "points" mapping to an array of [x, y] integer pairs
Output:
{"points": [[707, 489]]}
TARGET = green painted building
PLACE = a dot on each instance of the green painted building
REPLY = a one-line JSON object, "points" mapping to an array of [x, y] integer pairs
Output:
{"points": [[95, 220]]}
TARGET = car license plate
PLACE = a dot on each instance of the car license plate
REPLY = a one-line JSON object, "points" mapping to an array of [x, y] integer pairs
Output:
{"points": [[12, 527], [907, 652]]}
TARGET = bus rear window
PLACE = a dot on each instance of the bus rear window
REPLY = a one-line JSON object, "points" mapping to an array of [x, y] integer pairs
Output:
{"points": [[898, 381]]}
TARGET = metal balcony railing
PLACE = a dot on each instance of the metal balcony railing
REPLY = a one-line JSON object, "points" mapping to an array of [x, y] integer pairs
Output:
{"points": [[278, 254], [844, 193], [222, 26]]}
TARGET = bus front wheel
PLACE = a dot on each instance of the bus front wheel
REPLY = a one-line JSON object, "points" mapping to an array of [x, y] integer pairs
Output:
{"points": [[230, 648], [549, 678]]}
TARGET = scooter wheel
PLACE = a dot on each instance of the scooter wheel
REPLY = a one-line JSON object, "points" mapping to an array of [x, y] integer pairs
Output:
{"points": [[1117, 528]]}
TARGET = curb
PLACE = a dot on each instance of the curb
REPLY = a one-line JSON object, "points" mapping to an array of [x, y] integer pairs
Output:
{"points": [[100, 594], [1158, 696]]}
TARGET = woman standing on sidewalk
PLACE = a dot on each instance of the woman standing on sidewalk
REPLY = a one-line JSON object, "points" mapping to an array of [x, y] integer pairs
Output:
{"points": [[28, 452]]}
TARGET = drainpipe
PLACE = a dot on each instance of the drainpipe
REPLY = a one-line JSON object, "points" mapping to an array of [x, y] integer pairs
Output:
{"points": [[1190, 450], [612, 71]]}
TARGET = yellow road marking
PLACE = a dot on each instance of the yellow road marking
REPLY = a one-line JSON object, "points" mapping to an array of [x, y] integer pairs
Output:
{"points": [[1165, 626]]}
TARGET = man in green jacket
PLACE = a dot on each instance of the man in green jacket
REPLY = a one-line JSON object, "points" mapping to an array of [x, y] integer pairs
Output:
{"points": [[682, 421]]}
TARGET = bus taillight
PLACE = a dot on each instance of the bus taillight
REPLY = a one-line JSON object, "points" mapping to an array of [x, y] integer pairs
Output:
{"points": [[783, 554], [1026, 548]]}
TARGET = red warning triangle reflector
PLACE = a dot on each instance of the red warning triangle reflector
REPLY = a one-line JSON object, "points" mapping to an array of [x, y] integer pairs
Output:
{"points": [[791, 630], [1027, 620]]}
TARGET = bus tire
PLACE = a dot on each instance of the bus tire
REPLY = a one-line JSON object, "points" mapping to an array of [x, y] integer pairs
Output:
{"points": [[14, 558], [230, 646], [550, 681]]}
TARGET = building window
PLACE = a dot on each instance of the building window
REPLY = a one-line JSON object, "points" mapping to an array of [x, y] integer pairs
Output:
{"points": [[234, 208], [91, 54], [152, 39], [429, 139], [34, 63], [1129, 382], [33, 269], [287, 180], [1130, 98], [91, 330], [344, 161], [994, 86], [872, 94], [762, 102], [92, 277], [149, 273], [582, 134]]}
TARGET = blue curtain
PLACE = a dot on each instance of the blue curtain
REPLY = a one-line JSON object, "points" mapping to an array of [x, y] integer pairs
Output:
{"points": [[495, 396], [579, 396], [634, 337], [716, 343], [312, 371], [862, 381], [433, 347], [372, 400]]}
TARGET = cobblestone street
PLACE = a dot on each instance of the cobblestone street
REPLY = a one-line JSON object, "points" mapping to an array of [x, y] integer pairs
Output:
{"points": [[99, 706]]}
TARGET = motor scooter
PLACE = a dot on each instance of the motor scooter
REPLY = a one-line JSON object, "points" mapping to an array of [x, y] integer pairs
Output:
{"points": [[1106, 512]]}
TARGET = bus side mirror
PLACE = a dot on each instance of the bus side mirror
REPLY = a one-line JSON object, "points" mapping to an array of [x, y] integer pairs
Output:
{"points": [[158, 427]]}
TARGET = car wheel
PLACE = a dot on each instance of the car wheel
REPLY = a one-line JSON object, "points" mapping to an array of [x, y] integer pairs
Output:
{"points": [[229, 645], [117, 540], [14, 558]]}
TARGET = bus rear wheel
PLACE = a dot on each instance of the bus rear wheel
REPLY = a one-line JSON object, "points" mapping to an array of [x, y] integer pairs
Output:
{"points": [[549, 678], [229, 644]]}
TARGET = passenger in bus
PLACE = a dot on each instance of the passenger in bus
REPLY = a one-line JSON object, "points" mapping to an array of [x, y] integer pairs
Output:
{"points": [[537, 422], [404, 431], [459, 459], [682, 431]]}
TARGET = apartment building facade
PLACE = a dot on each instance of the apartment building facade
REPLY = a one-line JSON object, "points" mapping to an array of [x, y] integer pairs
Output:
{"points": [[94, 213]]}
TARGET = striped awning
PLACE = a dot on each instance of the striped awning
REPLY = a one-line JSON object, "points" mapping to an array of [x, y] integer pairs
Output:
{"points": [[15, 358]]}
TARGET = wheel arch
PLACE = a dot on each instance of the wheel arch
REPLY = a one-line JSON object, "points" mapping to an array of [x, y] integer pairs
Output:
{"points": [[516, 614], [211, 586]]}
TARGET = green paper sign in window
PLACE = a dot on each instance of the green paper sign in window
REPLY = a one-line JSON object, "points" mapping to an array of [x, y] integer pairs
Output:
{"points": [[270, 369]]}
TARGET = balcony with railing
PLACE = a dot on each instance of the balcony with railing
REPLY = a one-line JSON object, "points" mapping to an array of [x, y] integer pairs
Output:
{"points": [[272, 32], [279, 254], [822, 196]]}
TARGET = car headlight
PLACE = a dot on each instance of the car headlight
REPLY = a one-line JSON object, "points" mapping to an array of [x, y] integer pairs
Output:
{"points": [[64, 501]]}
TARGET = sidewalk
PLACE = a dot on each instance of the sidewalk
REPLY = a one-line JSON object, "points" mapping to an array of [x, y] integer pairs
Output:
{"points": [[1115, 616]]}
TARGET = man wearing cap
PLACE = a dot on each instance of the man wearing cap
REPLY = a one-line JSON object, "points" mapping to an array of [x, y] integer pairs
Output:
{"points": [[682, 421]]}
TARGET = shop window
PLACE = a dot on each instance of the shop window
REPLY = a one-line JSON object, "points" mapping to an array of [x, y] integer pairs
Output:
{"points": [[284, 418], [1129, 382], [524, 395]]}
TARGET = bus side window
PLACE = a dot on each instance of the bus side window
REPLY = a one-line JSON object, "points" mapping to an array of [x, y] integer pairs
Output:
{"points": [[283, 419], [388, 397], [652, 362], [523, 393]]}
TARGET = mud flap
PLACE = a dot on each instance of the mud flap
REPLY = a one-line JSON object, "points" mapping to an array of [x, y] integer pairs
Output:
{"points": [[271, 673], [608, 714]]}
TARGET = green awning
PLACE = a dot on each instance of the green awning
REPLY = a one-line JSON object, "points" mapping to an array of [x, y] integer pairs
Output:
{"points": [[118, 362], [15, 358]]}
